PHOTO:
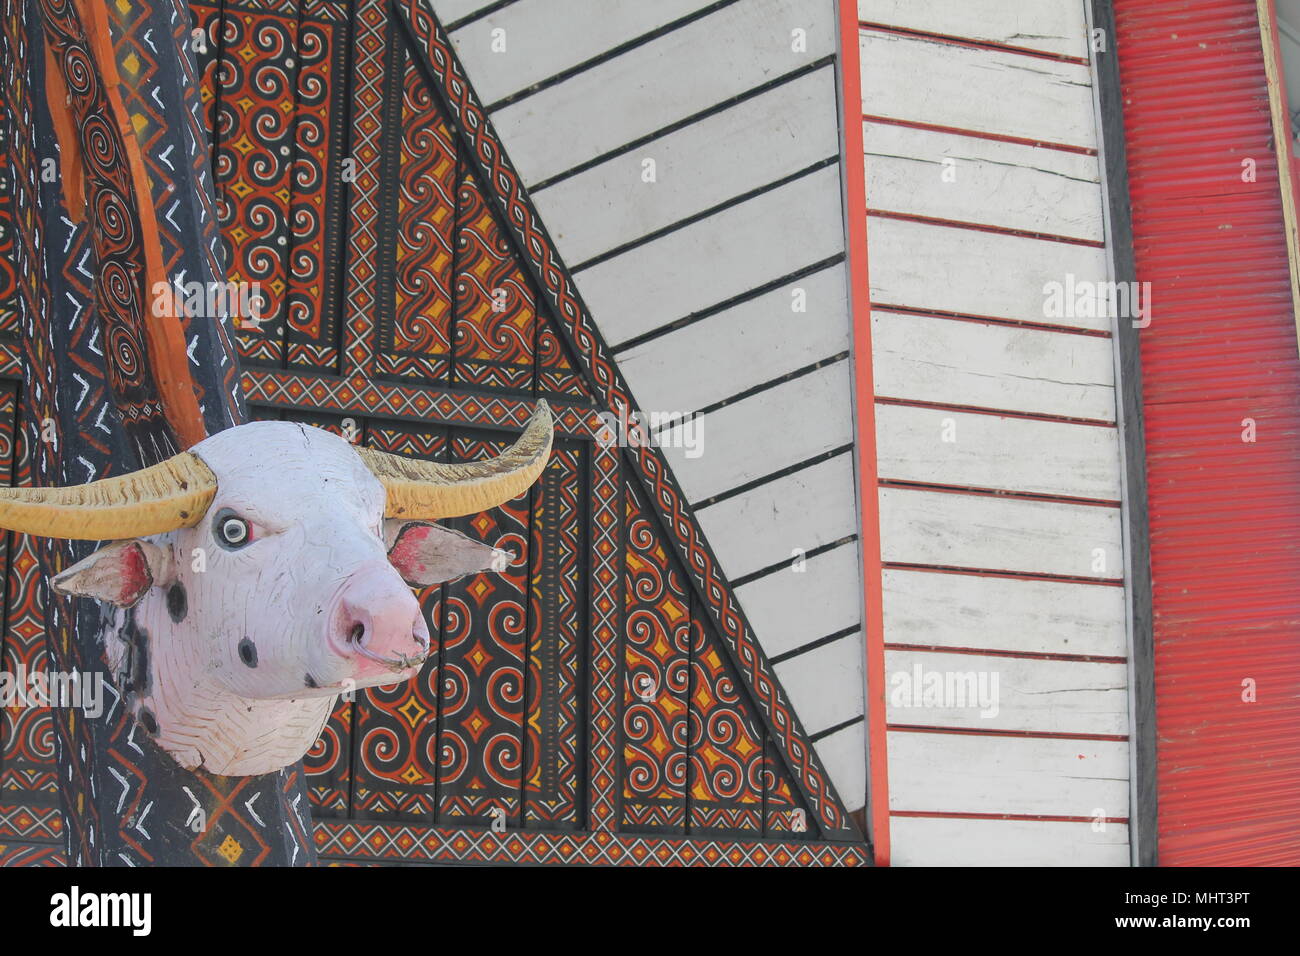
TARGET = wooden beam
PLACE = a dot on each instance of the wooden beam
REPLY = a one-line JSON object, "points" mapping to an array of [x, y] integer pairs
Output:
{"points": [[1143, 834]]}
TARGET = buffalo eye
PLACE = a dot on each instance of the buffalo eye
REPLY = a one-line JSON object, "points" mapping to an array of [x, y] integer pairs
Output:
{"points": [[231, 530]]}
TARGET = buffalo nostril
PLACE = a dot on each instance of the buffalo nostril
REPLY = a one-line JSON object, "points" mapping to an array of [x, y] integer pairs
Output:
{"points": [[357, 633]]}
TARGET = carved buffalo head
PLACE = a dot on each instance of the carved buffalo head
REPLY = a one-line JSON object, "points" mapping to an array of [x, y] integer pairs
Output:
{"points": [[254, 578]]}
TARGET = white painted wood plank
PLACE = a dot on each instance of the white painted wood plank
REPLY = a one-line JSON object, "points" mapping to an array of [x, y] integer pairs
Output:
{"points": [[662, 82], [778, 133], [543, 38], [987, 91], [788, 608], [763, 338], [844, 755], [1006, 693], [1050, 26], [939, 841], [1009, 614], [762, 434], [708, 262], [825, 684], [1004, 534], [928, 359], [989, 182], [990, 451], [805, 509], [974, 773], [449, 11], [967, 271]]}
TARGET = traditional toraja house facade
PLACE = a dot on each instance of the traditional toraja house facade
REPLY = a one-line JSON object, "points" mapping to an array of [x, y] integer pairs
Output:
{"points": [[960, 528]]}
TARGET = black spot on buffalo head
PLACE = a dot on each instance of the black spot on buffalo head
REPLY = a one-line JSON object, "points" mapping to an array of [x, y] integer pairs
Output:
{"points": [[177, 603]]}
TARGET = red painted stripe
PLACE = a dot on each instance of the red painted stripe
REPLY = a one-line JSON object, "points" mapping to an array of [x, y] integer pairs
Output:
{"points": [[996, 493], [998, 652], [983, 227], [1027, 817], [855, 215], [990, 320], [999, 412], [1028, 734], [996, 137], [995, 573], [953, 40]]}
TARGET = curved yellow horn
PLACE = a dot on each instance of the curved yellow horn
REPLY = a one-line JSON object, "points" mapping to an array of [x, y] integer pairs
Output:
{"points": [[429, 490], [166, 496]]}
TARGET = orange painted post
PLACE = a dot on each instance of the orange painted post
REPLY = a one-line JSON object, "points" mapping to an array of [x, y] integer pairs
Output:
{"points": [[855, 217]]}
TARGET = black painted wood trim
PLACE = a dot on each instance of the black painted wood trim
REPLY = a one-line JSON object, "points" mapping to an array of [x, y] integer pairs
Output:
{"points": [[1143, 816]]}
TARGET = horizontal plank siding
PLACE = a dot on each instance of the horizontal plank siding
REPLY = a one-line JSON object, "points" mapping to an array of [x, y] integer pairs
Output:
{"points": [[939, 841], [927, 359], [679, 371], [930, 609], [974, 773], [515, 47], [994, 451], [773, 523], [1053, 28], [844, 754], [987, 91], [805, 602], [806, 677], [662, 83], [971, 272], [982, 181], [999, 534], [733, 446], [1007, 693], [703, 264], [694, 169], [450, 11], [997, 455]]}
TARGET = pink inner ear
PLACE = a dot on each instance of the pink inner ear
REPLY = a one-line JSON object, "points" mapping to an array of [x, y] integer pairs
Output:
{"points": [[136, 578], [406, 553]]}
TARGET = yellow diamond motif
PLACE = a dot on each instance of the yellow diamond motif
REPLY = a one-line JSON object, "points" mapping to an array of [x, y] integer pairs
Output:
{"points": [[413, 712], [230, 849], [132, 62], [124, 6]]}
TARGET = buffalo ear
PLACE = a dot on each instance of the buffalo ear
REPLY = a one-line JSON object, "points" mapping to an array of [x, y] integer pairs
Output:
{"points": [[120, 573], [425, 553]]}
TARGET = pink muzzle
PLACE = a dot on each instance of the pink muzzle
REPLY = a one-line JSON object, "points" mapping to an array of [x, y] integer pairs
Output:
{"points": [[378, 622]]}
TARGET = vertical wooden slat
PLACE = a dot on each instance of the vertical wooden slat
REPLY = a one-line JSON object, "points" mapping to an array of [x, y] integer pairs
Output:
{"points": [[482, 699], [394, 775], [557, 638], [656, 679]]}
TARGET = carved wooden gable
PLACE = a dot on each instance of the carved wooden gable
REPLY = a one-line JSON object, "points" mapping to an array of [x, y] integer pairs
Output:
{"points": [[603, 700]]}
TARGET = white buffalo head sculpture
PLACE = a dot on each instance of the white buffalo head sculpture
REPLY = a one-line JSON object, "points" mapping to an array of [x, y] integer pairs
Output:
{"points": [[254, 578]]}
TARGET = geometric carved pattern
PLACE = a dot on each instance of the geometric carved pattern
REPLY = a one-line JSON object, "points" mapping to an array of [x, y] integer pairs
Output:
{"points": [[387, 843], [29, 797], [273, 86]]}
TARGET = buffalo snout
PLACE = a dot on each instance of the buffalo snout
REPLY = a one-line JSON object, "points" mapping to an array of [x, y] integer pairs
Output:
{"points": [[378, 624]]}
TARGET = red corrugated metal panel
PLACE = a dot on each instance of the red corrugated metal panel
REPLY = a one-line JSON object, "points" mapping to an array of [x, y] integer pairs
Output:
{"points": [[1224, 514]]}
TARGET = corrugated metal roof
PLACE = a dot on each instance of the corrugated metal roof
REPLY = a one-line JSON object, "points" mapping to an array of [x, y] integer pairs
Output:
{"points": [[1224, 513]]}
